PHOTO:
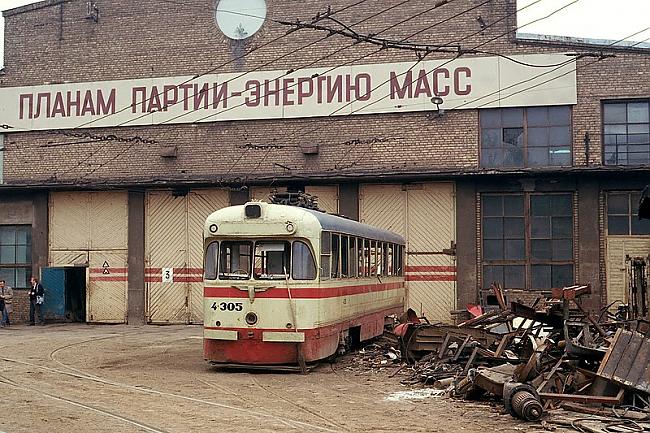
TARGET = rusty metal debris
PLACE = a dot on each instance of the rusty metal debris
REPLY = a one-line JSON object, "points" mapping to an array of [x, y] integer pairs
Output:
{"points": [[538, 359]]}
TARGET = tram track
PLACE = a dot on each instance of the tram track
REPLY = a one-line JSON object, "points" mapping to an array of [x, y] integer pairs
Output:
{"points": [[77, 404], [297, 405], [77, 373]]}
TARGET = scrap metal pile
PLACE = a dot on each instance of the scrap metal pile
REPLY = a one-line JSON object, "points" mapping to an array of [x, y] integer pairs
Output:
{"points": [[552, 355]]}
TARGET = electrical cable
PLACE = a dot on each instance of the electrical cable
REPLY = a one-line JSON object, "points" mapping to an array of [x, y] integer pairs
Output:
{"points": [[318, 15]]}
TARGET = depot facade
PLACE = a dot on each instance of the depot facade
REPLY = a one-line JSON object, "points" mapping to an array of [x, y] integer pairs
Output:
{"points": [[522, 168]]}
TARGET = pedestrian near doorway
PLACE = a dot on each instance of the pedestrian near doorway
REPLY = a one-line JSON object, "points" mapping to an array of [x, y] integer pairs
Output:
{"points": [[36, 299], [6, 298]]}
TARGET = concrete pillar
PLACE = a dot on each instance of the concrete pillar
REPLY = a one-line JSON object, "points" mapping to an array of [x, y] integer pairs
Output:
{"points": [[588, 263], [466, 255], [136, 290], [349, 200]]}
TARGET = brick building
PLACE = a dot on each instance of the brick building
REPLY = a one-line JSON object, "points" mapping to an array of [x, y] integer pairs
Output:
{"points": [[126, 123]]}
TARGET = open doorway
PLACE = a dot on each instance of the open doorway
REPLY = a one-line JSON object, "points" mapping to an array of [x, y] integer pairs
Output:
{"points": [[75, 294], [65, 293]]}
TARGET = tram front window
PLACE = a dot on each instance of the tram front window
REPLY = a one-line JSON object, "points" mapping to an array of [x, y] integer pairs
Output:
{"points": [[235, 260], [272, 260]]}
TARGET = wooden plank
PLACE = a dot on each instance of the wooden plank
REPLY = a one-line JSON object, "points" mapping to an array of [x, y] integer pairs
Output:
{"points": [[586, 399], [628, 358], [605, 360], [640, 368], [615, 352]]}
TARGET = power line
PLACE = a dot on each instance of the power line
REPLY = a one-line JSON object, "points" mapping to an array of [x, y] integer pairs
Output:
{"points": [[209, 71], [318, 16]]}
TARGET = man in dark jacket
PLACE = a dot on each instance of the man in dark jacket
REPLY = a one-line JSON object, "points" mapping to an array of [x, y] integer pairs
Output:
{"points": [[36, 299]]}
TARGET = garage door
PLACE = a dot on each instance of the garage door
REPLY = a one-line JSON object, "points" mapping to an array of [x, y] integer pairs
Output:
{"points": [[425, 215], [90, 229], [261, 193], [174, 253], [617, 248], [328, 197]]}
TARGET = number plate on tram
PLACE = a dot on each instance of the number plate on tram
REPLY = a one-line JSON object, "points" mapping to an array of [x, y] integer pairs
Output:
{"points": [[227, 306]]}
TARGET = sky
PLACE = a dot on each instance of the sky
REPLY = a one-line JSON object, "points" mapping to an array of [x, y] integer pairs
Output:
{"points": [[595, 19]]}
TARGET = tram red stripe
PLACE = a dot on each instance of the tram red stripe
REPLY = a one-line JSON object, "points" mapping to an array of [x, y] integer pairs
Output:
{"points": [[431, 269], [431, 278], [109, 278], [302, 292]]}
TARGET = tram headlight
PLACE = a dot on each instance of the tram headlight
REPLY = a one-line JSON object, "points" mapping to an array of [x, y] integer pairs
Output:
{"points": [[251, 318], [213, 228], [290, 226]]}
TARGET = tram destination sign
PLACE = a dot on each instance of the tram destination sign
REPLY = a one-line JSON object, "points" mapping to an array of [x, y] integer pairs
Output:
{"points": [[462, 83]]}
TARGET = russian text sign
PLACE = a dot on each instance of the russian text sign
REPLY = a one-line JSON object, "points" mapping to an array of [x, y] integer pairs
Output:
{"points": [[462, 83]]}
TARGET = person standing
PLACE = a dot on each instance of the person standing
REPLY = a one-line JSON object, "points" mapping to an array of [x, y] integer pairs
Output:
{"points": [[7, 295], [36, 299]]}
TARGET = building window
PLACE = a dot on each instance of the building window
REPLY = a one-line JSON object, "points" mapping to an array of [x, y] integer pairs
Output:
{"points": [[626, 133], [525, 137], [623, 214], [16, 255], [527, 240]]}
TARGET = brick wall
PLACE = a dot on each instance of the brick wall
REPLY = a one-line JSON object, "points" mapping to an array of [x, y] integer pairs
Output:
{"points": [[21, 307], [53, 42]]}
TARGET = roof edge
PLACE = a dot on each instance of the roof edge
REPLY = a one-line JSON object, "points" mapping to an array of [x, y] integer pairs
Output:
{"points": [[589, 43], [33, 6]]}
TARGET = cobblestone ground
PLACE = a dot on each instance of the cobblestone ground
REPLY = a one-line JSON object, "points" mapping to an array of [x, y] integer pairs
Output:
{"points": [[81, 378]]}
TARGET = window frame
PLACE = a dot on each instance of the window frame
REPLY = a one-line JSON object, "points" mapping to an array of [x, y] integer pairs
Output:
{"points": [[602, 129], [630, 216], [525, 148], [15, 265], [528, 261]]}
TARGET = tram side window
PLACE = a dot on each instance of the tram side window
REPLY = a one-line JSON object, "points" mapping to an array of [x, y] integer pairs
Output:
{"points": [[304, 267], [396, 259], [344, 256], [235, 260], [380, 258], [325, 254], [400, 261], [210, 262], [389, 260], [360, 250], [354, 264], [372, 256], [336, 250], [272, 260]]}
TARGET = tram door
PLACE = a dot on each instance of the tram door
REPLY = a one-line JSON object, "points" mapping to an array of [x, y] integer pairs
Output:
{"points": [[65, 293]]}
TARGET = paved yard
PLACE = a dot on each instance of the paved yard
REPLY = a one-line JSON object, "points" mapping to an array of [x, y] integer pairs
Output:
{"points": [[62, 378]]}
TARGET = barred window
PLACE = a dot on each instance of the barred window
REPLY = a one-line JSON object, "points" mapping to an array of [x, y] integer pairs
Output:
{"points": [[527, 240], [626, 133], [16, 255], [526, 137]]}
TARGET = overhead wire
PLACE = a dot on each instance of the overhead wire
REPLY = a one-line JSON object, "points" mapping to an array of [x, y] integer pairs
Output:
{"points": [[329, 13]]}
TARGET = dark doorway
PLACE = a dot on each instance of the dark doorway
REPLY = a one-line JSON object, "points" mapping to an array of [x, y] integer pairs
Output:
{"points": [[75, 294]]}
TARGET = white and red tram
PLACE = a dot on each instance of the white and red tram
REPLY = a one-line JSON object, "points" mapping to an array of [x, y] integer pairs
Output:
{"points": [[285, 285]]}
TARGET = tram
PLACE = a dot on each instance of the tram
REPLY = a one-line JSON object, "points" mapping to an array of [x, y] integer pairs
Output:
{"points": [[285, 285]]}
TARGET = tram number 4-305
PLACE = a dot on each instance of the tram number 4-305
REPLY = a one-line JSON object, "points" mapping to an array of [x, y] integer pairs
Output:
{"points": [[227, 306]]}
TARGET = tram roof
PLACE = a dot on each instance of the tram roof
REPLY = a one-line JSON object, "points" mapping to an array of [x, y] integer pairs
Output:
{"points": [[335, 223], [328, 222]]}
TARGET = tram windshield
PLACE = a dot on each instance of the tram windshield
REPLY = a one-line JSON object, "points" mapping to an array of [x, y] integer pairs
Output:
{"points": [[264, 260]]}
